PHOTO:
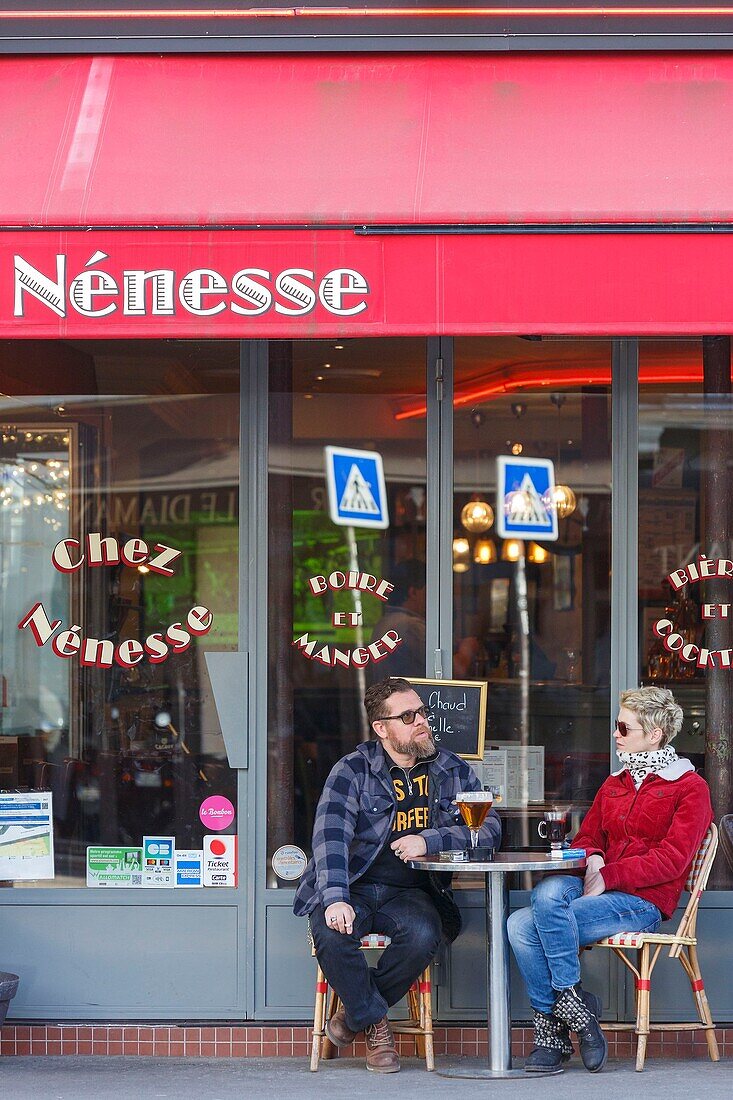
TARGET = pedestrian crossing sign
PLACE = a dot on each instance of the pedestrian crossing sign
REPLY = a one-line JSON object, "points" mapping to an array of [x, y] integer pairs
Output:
{"points": [[357, 495], [524, 505]]}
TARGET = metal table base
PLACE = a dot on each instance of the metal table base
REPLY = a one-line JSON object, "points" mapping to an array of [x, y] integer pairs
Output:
{"points": [[498, 990]]}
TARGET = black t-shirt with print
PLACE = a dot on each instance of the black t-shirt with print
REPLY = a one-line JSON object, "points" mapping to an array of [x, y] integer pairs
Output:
{"points": [[412, 798]]}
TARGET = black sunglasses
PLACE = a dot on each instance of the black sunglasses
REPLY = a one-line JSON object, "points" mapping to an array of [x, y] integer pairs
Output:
{"points": [[408, 716]]}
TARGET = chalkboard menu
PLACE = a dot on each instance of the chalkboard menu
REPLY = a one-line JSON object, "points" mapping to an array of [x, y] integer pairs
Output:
{"points": [[459, 714]]}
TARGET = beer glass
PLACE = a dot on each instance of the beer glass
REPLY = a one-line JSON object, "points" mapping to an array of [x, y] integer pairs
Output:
{"points": [[556, 827], [474, 806]]}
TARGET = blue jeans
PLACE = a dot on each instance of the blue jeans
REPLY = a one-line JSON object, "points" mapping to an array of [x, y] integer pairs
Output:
{"points": [[547, 936], [411, 921]]}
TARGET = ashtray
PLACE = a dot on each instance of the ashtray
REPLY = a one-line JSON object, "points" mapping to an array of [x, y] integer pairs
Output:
{"points": [[480, 855], [469, 855]]}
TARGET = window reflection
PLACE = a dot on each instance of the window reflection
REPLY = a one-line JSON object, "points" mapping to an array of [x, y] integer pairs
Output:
{"points": [[143, 444], [349, 394], [532, 616], [685, 455]]}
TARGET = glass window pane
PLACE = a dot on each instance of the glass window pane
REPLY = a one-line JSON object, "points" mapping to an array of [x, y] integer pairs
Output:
{"points": [[685, 458], [141, 450], [348, 394], [532, 616]]}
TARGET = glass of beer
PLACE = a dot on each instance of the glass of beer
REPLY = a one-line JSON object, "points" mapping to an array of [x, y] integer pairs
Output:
{"points": [[474, 806], [555, 826]]}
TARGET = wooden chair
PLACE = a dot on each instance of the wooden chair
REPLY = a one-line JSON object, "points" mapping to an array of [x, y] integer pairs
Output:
{"points": [[419, 1000], [682, 945]]}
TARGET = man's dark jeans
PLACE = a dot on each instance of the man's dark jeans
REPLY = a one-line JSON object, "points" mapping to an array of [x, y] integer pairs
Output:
{"points": [[411, 921]]}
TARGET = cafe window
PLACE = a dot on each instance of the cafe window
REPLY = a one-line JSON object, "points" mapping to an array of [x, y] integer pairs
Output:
{"points": [[349, 395], [685, 461], [531, 613], [107, 446]]}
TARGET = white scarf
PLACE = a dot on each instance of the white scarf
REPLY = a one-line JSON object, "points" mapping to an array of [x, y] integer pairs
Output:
{"points": [[641, 764]]}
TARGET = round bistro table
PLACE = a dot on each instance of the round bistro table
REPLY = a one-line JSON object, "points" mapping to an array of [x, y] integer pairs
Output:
{"points": [[497, 953]]}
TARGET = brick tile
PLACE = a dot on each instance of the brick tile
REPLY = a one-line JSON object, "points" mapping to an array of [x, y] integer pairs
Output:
{"points": [[239, 1050], [38, 1046], [208, 1034], [239, 1034], [269, 1034], [130, 1047], [114, 1048], [145, 1047], [162, 1049], [114, 1034], [192, 1034], [146, 1034], [99, 1034], [208, 1050], [177, 1048], [269, 1048], [84, 1046], [100, 1047], [193, 1050]]}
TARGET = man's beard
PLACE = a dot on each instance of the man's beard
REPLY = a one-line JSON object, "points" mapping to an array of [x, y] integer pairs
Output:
{"points": [[420, 750]]}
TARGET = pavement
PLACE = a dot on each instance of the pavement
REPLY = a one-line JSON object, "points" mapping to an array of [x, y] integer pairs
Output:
{"points": [[76, 1078]]}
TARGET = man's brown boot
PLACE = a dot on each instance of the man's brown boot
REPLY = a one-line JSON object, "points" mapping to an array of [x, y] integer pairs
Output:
{"points": [[381, 1052], [338, 1031]]}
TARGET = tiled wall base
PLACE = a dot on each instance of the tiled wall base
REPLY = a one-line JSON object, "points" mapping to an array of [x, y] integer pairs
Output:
{"points": [[261, 1041]]}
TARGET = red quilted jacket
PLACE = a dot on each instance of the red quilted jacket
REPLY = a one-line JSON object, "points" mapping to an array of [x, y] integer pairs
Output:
{"points": [[648, 837]]}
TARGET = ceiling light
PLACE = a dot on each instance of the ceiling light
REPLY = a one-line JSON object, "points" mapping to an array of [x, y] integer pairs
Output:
{"points": [[477, 516], [537, 554], [562, 499], [512, 550], [484, 552]]}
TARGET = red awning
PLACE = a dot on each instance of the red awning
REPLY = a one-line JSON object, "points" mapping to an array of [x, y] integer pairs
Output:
{"points": [[345, 140]]}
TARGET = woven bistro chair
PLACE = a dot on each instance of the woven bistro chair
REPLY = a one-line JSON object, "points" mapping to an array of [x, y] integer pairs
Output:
{"points": [[419, 1000], [682, 945]]}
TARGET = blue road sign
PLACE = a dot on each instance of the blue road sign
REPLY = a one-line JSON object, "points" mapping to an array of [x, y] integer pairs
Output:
{"points": [[523, 498], [357, 495]]}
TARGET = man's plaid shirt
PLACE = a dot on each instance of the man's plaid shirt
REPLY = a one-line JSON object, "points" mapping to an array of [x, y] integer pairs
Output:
{"points": [[355, 815]]}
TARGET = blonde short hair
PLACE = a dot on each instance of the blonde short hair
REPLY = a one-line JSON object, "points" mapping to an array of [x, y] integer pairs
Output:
{"points": [[656, 709]]}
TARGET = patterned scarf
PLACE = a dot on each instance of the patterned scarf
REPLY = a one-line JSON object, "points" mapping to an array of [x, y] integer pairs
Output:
{"points": [[641, 764]]}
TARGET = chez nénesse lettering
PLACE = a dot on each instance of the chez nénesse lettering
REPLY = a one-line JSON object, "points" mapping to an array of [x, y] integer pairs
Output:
{"points": [[68, 556], [702, 569], [201, 292]]}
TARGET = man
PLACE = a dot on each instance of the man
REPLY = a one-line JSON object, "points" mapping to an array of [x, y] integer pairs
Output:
{"points": [[641, 835], [405, 613], [384, 804]]}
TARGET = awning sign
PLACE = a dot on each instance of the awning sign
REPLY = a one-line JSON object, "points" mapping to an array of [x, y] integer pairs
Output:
{"points": [[524, 498], [357, 495]]}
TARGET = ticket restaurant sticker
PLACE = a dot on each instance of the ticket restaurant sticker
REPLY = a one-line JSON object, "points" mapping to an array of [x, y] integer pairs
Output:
{"points": [[220, 860], [189, 867], [159, 861], [112, 867], [26, 836]]}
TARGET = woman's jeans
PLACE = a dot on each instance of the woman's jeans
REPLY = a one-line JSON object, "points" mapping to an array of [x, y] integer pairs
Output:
{"points": [[547, 936], [409, 918]]}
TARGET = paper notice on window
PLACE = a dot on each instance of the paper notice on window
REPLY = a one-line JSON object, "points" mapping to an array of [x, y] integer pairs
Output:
{"points": [[26, 836]]}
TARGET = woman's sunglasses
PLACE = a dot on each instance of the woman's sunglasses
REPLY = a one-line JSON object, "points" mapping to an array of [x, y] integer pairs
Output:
{"points": [[623, 729]]}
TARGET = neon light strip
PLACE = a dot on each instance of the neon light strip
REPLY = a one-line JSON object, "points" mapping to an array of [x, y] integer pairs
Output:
{"points": [[527, 378], [367, 13]]}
